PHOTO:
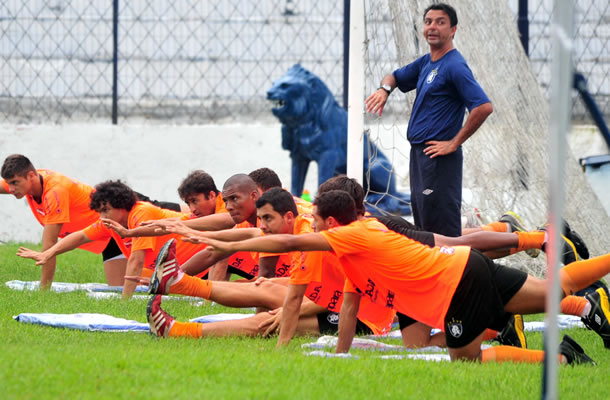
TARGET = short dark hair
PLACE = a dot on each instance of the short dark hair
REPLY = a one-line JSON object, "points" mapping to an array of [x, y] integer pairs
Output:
{"points": [[447, 9], [280, 199], [265, 178], [115, 193], [196, 182], [337, 204], [16, 165], [242, 182], [349, 185]]}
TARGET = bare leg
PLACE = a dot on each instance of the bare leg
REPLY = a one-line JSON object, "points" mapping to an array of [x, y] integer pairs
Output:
{"points": [[115, 271], [250, 326], [418, 335], [470, 352], [482, 241], [530, 299], [267, 294], [218, 272]]}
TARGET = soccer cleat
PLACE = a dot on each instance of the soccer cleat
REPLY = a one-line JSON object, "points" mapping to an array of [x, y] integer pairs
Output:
{"points": [[512, 334], [159, 321], [167, 270], [568, 252], [598, 318], [579, 244], [516, 225], [573, 352]]}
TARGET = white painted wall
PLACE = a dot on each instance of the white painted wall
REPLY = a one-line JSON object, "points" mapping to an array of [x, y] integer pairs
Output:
{"points": [[152, 159]]}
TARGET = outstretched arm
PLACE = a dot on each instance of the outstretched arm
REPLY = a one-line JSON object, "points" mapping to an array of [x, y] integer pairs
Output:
{"points": [[142, 230], [213, 222], [226, 235], [68, 243], [274, 244], [347, 321]]}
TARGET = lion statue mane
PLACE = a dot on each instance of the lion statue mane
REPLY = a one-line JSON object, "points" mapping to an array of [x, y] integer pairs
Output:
{"points": [[314, 128]]}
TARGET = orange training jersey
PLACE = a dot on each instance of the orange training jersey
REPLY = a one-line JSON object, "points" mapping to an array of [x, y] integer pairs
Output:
{"points": [[392, 270], [285, 262], [220, 204], [64, 201], [244, 260], [324, 277], [143, 211]]}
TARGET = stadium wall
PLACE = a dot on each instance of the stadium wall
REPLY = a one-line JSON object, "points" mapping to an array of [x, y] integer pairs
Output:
{"points": [[152, 159]]}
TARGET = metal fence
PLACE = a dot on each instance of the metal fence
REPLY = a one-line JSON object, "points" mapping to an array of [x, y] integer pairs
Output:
{"points": [[192, 61]]}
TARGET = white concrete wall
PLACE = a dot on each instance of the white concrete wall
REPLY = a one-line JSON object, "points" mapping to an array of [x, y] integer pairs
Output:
{"points": [[152, 159]]}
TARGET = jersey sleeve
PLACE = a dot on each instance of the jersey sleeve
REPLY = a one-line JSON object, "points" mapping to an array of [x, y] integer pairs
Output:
{"points": [[468, 88], [97, 231], [57, 206], [140, 215], [345, 239], [407, 76]]}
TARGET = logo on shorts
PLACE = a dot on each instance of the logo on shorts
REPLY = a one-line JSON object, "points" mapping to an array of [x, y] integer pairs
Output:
{"points": [[428, 192], [431, 76], [455, 328], [447, 250], [333, 318]]}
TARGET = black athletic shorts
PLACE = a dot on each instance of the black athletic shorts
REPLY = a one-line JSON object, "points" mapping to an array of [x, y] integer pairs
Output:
{"points": [[479, 300], [168, 205], [112, 250], [237, 271], [405, 228], [328, 322]]}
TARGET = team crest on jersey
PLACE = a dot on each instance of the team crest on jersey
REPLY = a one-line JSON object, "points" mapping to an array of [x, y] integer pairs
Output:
{"points": [[432, 75], [455, 328]]}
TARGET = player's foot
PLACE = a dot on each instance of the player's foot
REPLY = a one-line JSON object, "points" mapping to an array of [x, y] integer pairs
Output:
{"points": [[577, 240], [515, 223], [573, 352], [512, 334], [159, 321], [598, 318], [167, 270], [568, 252]]}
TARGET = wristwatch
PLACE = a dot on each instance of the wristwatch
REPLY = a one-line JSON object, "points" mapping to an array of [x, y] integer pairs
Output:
{"points": [[386, 87]]}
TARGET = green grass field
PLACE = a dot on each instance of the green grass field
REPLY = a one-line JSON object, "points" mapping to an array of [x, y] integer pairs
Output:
{"points": [[40, 362]]}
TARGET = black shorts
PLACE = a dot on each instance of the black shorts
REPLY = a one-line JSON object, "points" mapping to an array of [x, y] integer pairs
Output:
{"points": [[328, 322], [237, 271], [112, 250], [405, 228], [479, 299]]}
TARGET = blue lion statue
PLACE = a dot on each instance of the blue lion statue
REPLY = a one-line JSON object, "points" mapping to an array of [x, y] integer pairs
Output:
{"points": [[314, 128]]}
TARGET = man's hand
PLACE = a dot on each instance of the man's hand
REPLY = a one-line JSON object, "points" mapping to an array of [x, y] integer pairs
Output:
{"points": [[137, 279], [435, 148], [260, 280], [162, 225], [218, 245], [272, 324], [115, 226], [40, 257], [376, 101]]}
